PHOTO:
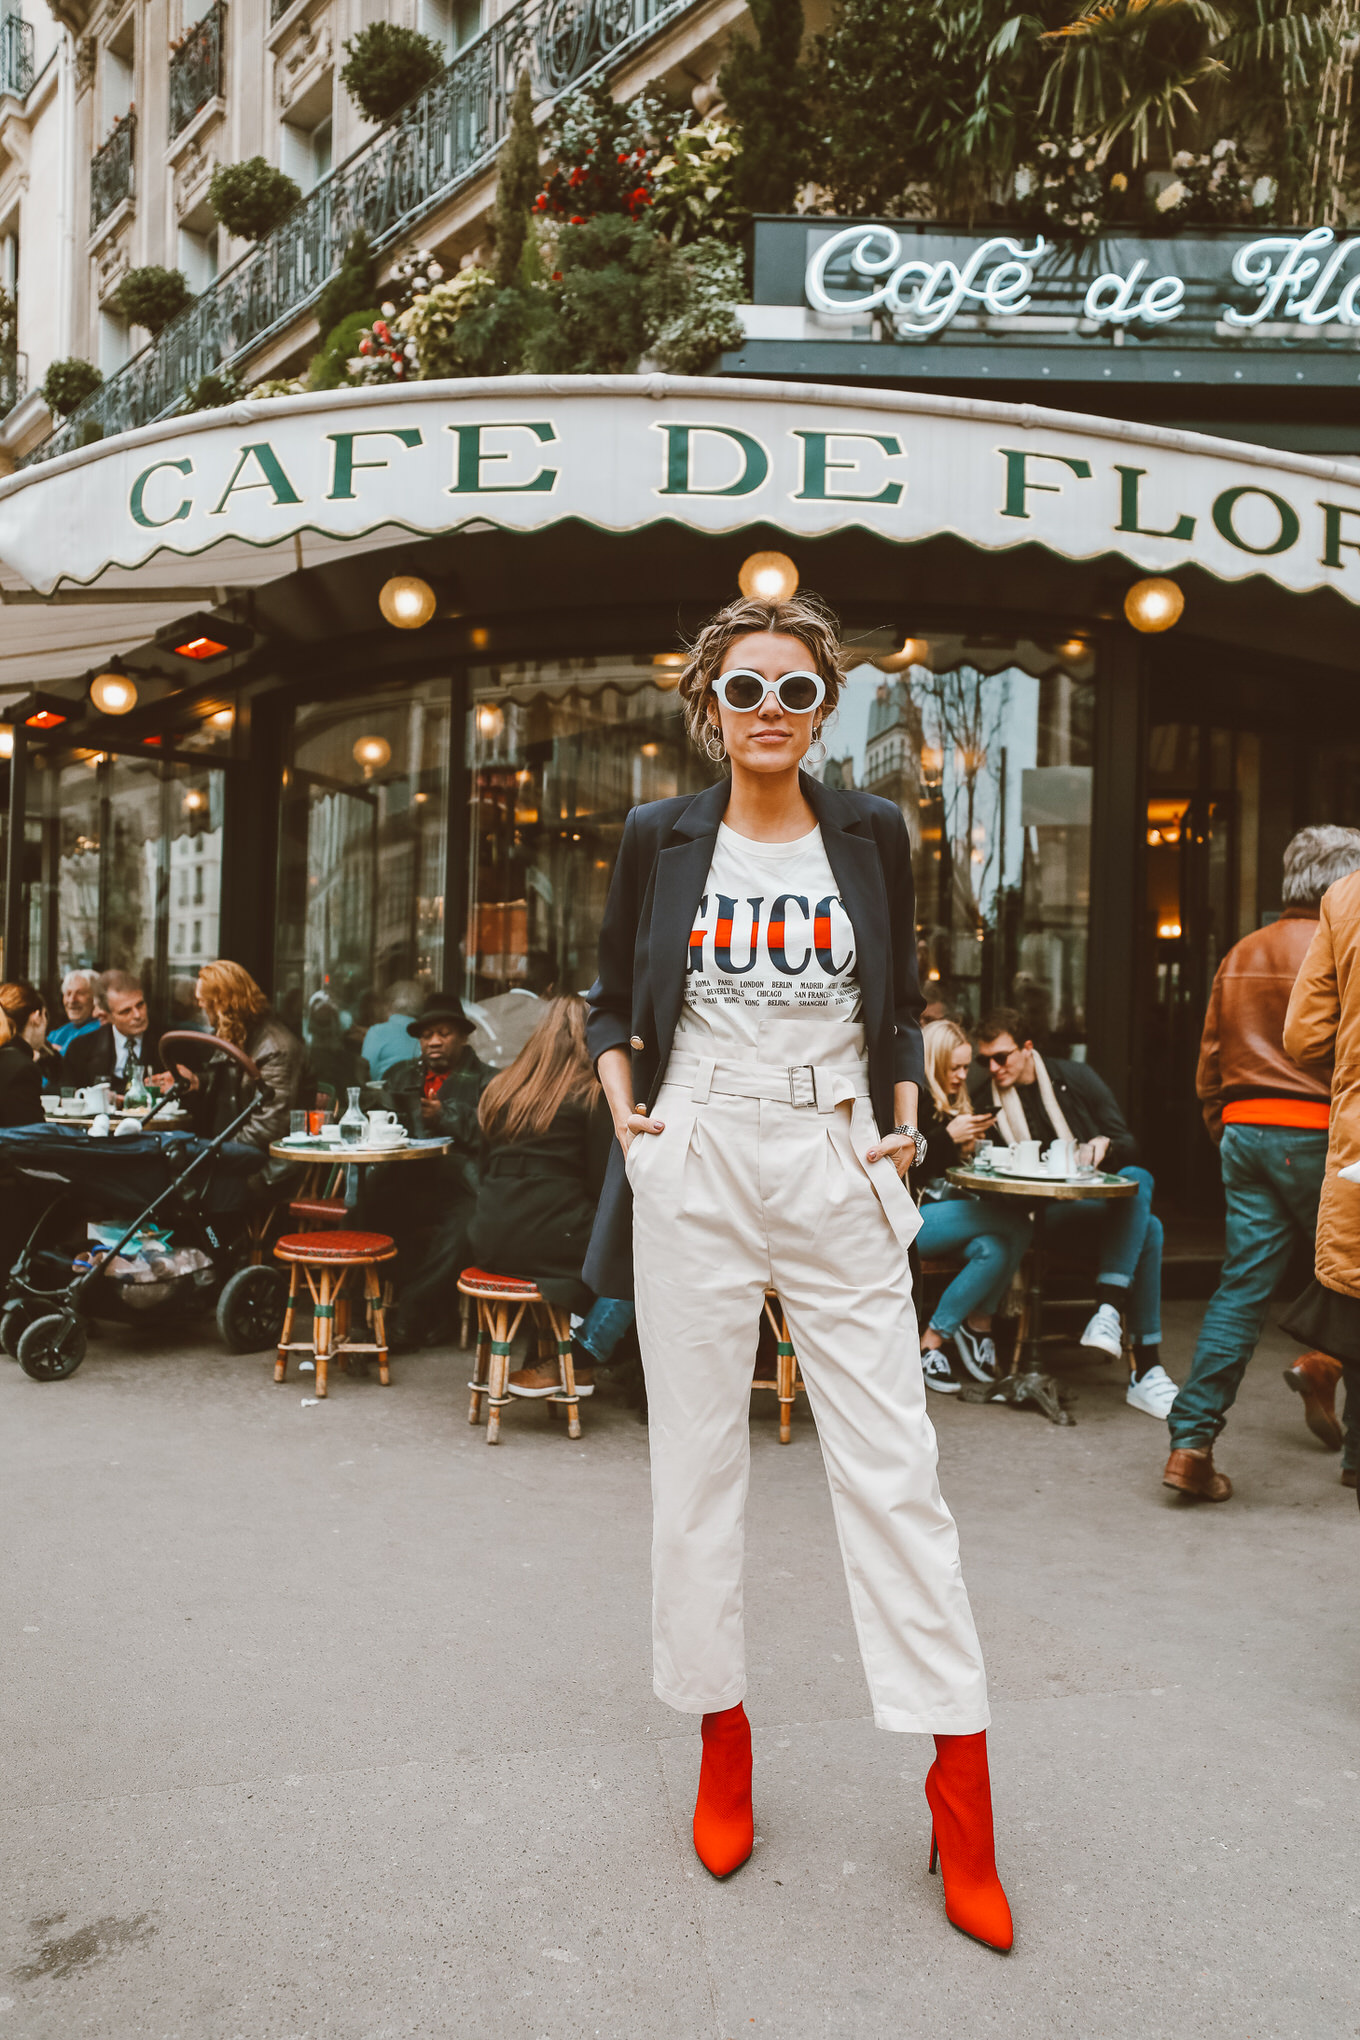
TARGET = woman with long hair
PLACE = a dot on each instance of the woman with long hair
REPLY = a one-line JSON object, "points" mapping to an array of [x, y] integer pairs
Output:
{"points": [[547, 1134], [991, 1235], [238, 1011], [23, 1033], [755, 1027]]}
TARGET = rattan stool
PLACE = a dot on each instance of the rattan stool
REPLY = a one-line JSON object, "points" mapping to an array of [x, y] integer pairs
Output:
{"points": [[332, 1255], [501, 1303], [787, 1381]]}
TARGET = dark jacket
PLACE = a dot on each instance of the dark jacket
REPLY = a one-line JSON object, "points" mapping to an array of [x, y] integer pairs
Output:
{"points": [[1088, 1105], [941, 1152], [282, 1062], [637, 998], [20, 1086], [536, 1204], [402, 1090], [1242, 1052], [91, 1057]]}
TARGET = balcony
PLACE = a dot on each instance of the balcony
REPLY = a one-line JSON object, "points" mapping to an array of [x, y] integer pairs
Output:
{"points": [[197, 68], [111, 172], [13, 365], [16, 56], [446, 137]]}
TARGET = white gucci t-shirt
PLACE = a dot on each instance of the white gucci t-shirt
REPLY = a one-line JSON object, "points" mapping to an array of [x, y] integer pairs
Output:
{"points": [[770, 937]]}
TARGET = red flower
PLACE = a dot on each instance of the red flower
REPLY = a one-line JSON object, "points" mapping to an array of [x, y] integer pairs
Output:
{"points": [[578, 219], [365, 346], [641, 196], [623, 159]]}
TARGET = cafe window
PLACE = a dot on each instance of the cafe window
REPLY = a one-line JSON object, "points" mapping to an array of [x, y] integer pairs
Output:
{"points": [[557, 752], [112, 835], [363, 850], [986, 746]]}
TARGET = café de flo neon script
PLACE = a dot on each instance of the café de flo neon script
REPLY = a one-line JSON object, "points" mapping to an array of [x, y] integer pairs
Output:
{"points": [[1294, 276]]}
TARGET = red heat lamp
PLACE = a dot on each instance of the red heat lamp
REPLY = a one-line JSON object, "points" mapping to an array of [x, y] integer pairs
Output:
{"points": [[43, 711], [201, 637]]}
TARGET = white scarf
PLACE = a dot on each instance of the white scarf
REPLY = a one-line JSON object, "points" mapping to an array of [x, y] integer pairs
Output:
{"points": [[1011, 1112]]}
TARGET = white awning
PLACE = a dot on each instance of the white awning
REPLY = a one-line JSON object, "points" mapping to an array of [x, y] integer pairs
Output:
{"points": [[258, 489]]}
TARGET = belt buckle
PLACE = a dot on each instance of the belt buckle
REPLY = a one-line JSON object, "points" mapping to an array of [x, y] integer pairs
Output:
{"points": [[802, 1086]]}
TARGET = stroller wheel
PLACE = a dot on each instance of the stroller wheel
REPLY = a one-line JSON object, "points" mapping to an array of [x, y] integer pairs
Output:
{"points": [[250, 1309], [52, 1347], [14, 1320]]}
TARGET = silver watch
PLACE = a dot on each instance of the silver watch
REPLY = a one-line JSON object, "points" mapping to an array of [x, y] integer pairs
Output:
{"points": [[917, 1139]]}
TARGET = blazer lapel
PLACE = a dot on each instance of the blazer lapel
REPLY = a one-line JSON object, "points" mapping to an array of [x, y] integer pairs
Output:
{"points": [[853, 856], [677, 890]]}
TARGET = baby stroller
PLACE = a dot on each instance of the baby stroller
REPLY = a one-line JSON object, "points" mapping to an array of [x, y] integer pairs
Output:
{"points": [[139, 1228]]}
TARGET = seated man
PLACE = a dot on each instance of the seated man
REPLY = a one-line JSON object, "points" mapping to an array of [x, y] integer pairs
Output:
{"points": [[428, 1207], [387, 1041], [1038, 1100], [78, 998], [110, 1054]]}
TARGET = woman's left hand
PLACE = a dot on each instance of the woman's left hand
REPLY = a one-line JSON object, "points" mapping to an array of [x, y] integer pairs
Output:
{"points": [[900, 1151]]}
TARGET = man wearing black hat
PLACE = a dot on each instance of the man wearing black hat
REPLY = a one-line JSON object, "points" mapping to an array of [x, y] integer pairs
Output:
{"points": [[428, 1207]]}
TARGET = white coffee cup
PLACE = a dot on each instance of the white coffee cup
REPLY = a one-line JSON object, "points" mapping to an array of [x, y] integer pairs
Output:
{"points": [[1026, 1157], [377, 1121], [1061, 1158], [331, 1134], [94, 1098]]}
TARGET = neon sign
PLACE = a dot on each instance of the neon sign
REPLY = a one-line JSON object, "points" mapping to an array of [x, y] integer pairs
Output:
{"points": [[1294, 276]]}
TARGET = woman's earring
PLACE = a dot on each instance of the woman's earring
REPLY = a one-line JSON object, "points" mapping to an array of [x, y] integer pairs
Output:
{"points": [[815, 753], [714, 748]]}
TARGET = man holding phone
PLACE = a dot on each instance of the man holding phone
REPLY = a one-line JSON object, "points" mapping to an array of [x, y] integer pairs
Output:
{"points": [[1045, 1099]]}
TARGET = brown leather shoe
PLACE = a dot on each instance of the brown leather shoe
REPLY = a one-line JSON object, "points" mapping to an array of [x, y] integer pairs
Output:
{"points": [[1191, 1470], [1314, 1376]]}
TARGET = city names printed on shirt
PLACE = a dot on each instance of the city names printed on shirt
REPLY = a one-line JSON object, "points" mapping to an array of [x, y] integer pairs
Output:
{"points": [[777, 950]]}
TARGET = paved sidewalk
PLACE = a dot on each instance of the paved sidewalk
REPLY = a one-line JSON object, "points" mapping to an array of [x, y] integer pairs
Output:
{"points": [[329, 1723]]}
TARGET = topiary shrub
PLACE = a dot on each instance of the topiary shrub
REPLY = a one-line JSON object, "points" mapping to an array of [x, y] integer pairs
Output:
{"points": [[329, 367], [353, 286], [516, 183], [67, 384], [251, 198], [387, 65], [152, 297], [211, 391]]}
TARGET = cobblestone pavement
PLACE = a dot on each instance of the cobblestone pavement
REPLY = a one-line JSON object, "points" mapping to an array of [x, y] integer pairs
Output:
{"points": [[325, 1720]]}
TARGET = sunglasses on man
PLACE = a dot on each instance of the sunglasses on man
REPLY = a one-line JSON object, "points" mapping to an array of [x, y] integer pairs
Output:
{"points": [[998, 1059]]}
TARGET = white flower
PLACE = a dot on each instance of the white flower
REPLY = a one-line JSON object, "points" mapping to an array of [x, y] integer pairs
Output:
{"points": [[1024, 181], [1170, 196], [388, 309], [1221, 149], [1076, 150], [1048, 149], [1088, 219], [1263, 193], [1182, 160], [434, 270]]}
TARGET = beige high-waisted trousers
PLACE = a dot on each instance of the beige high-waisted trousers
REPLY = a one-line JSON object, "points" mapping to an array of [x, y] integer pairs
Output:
{"points": [[743, 1191]]}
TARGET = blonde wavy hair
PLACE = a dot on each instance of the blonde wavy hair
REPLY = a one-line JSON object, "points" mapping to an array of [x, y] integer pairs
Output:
{"points": [[231, 999], [805, 617], [942, 1038]]}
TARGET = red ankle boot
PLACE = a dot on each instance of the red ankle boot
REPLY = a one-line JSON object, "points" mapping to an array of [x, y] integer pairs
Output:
{"points": [[724, 1828], [959, 1794]]}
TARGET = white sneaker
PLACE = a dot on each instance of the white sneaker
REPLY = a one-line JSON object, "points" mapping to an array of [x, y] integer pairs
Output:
{"points": [[1104, 1332], [939, 1371], [1154, 1394]]}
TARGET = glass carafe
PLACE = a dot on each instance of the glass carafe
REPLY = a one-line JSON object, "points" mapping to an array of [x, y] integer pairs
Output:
{"points": [[136, 1098], [353, 1125]]}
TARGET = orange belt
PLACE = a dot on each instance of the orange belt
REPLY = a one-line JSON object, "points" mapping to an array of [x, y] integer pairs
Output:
{"points": [[1310, 1113]]}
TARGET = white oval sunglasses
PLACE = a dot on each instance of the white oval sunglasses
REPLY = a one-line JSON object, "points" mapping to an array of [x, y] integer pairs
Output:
{"points": [[743, 689]]}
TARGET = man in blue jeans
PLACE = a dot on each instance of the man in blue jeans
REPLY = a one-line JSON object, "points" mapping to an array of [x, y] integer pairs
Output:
{"points": [[1047, 1099], [1269, 1118]]}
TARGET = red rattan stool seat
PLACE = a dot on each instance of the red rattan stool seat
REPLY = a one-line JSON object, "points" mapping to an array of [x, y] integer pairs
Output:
{"points": [[477, 1282], [335, 1246], [318, 1207]]}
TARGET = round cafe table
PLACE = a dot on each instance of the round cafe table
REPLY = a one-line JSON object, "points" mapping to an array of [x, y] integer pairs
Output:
{"points": [[1027, 1382]]}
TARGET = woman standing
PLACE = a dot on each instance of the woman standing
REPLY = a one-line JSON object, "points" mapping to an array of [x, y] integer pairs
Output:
{"points": [[758, 959], [546, 1137], [992, 1237]]}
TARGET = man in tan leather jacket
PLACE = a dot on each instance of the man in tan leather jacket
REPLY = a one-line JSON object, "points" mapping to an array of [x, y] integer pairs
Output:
{"points": [[1269, 1118]]}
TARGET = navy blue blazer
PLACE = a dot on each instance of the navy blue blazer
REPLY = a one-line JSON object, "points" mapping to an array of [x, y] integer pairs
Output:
{"points": [[654, 896]]}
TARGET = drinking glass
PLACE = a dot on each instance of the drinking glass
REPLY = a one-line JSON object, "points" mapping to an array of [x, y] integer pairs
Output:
{"points": [[298, 1124]]}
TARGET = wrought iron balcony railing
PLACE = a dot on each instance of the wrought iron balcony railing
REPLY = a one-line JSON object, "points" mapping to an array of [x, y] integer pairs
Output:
{"points": [[16, 56], [446, 136], [112, 171], [13, 365], [196, 68]]}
